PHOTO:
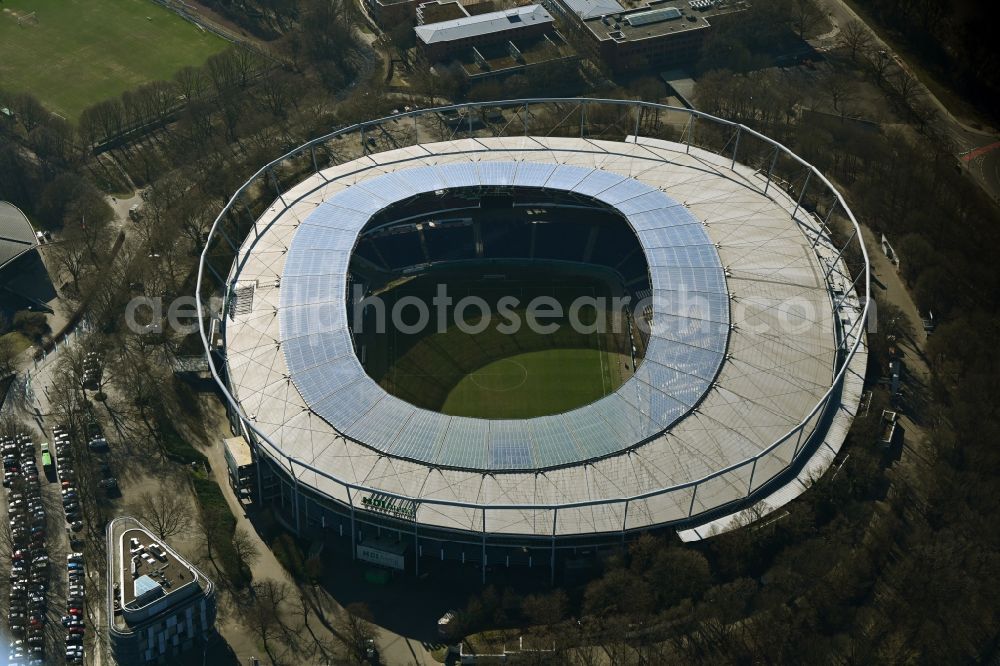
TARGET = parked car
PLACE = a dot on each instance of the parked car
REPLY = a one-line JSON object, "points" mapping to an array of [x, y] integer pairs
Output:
{"points": [[98, 444]]}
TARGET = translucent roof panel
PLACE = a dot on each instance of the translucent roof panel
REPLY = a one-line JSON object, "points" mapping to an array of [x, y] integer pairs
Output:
{"points": [[552, 442], [657, 218], [382, 424], [628, 421], [421, 436], [692, 304], [465, 444], [644, 203], [565, 177], [625, 189], [700, 333], [308, 289], [330, 216], [389, 187], [350, 403], [497, 173], [650, 401], [598, 181], [688, 336], [306, 261], [355, 198], [688, 279], [676, 236], [309, 350], [680, 235], [510, 445], [593, 435], [684, 256], [460, 174], [532, 173], [326, 238], [676, 385], [422, 178], [321, 381]]}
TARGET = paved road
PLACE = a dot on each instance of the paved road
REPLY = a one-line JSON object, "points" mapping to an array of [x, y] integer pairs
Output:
{"points": [[985, 167]]}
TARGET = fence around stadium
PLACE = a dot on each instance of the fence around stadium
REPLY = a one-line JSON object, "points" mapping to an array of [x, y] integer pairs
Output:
{"points": [[596, 119]]}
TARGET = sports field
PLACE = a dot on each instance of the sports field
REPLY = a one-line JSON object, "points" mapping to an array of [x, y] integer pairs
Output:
{"points": [[78, 52], [535, 383], [494, 374]]}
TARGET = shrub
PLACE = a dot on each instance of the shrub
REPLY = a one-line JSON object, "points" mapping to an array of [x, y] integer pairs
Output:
{"points": [[288, 553], [32, 325], [220, 524], [177, 448]]}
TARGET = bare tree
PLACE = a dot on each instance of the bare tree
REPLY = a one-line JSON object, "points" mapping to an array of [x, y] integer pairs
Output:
{"points": [[28, 110], [190, 82], [8, 354], [879, 61], [167, 513], [245, 546], [856, 38], [840, 89], [545, 609], [357, 631], [70, 258], [262, 613], [806, 15], [906, 87]]}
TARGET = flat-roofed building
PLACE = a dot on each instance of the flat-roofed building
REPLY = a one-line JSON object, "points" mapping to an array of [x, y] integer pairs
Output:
{"points": [[159, 604], [651, 35], [240, 463], [440, 10], [391, 13], [388, 13], [448, 39]]}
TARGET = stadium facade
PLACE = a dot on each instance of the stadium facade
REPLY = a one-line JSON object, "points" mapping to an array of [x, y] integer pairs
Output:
{"points": [[753, 362]]}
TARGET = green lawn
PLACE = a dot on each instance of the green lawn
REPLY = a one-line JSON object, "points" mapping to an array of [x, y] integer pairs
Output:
{"points": [[535, 384], [83, 51], [496, 373]]}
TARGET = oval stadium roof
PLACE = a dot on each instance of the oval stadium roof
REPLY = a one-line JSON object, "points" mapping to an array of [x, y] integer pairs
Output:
{"points": [[685, 349], [761, 265]]}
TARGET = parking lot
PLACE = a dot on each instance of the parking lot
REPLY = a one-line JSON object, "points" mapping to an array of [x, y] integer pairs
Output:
{"points": [[37, 546], [50, 619]]}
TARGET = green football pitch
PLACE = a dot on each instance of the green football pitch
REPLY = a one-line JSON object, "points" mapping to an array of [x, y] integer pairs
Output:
{"points": [[535, 383], [74, 53], [494, 373]]}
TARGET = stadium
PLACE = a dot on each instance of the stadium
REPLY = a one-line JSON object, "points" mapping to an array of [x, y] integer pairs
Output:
{"points": [[719, 383]]}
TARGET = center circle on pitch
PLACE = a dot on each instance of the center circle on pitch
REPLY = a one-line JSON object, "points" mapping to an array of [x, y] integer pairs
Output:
{"points": [[503, 375]]}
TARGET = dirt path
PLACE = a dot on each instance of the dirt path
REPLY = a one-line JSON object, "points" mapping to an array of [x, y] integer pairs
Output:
{"points": [[394, 648], [889, 285]]}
